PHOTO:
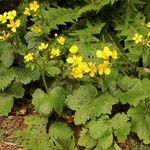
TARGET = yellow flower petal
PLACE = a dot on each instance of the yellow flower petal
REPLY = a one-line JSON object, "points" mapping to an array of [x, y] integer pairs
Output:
{"points": [[74, 60], [114, 54], [42, 46], [77, 72], [61, 40], [99, 54], [11, 15], [34, 6], [73, 49]]}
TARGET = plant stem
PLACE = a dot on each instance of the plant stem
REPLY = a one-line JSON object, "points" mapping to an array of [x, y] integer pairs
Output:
{"points": [[44, 81], [43, 75]]}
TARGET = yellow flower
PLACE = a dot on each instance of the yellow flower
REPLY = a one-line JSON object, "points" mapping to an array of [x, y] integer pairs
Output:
{"points": [[3, 18], [148, 24], [55, 52], [27, 11], [14, 24], [34, 6], [92, 68], [4, 36], [74, 60], [103, 68], [114, 54], [61, 40], [42, 46], [84, 67], [77, 72], [35, 29], [137, 38], [29, 57], [148, 34], [105, 54], [73, 49], [11, 15]]}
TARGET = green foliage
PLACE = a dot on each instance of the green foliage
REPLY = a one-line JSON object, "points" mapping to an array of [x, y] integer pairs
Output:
{"points": [[42, 140], [6, 54], [140, 119], [135, 90], [57, 16], [6, 103], [88, 104], [6, 77], [87, 35], [25, 75], [97, 5], [46, 102], [100, 132], [87, 60]]}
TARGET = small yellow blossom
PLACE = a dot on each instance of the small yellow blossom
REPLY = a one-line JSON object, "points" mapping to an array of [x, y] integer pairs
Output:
{"points": [[148, 34], [35, 29], [92, 68], [137, 38], [3, 18], [103, 68], [148, 24], [27, 11], [61, 40], [29, 57], [4, 36], [84, 67], [74, 60], [55, 52], [105, 54], [42, 46], [114, 54], [34, 6], [11, 15], [14, 24], [73, 49], [77, 72]]}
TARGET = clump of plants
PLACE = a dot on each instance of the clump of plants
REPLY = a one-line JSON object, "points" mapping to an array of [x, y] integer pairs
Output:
{"points": [[88, 60]]}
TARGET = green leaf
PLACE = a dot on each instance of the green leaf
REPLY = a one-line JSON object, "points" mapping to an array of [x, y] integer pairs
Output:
{"points": [[46, 102], [121, 127], [103, 104], [102, 130], [40, 102], [146, 57], [56, 16], [6, 104], [56, 99], [137, 90], [96, 6], [7, 54], [42, 140], [81, 96], [86, 140], [16, 90], [6, 77], [140, 120], [52, 71], [58, 129], [87, 35], [126, 82], [100, 105], [7, 58], [32, 40], [26, 75]]}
